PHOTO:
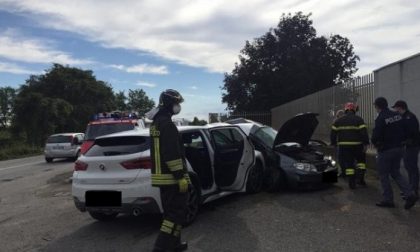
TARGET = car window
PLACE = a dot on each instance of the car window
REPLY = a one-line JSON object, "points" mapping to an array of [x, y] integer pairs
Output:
{"points": [[114, 146], [227, 137], [193, 140], [59, 139], [95, 130], [267, 135]]}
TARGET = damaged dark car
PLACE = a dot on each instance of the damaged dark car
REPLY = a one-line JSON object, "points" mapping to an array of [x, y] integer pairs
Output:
{"points": [[291, 158]]}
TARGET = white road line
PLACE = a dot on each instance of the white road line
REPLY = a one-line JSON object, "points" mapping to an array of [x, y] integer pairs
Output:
{"points": [[17, 166]]}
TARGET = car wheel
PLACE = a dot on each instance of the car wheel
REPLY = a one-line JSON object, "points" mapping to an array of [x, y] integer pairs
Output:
{"points": [[77, 156], [255, 180], [48, 160], [193, 202], [100, 216], [275, 180]]}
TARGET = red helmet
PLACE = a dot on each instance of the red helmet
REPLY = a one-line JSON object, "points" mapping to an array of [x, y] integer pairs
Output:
{"points": [[350, 106]]}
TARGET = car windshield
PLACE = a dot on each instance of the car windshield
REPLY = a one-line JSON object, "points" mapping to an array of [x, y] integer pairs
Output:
{"points": [[114, 146], [267, 135], [59, 139], [95, 130]]}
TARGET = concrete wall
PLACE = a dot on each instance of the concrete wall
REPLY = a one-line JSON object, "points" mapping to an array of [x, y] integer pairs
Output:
{"points": [[400, 80]]}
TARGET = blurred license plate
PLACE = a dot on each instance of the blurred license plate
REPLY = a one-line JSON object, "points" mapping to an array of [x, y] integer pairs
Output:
{"points": [[58, 147], [329, 177], [103, 199]]}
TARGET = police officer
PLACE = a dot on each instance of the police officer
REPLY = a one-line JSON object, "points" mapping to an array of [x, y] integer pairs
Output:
{"points": [[169, 171], [349, 133], [388, 137], [412, 144]]}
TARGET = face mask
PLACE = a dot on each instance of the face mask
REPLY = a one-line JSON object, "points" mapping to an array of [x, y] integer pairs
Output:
{"points": [[176, 109]]}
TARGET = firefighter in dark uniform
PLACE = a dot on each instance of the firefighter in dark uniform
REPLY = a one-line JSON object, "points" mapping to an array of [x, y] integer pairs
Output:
{"points": [[388, 137], [169, 172], [412, 143], [349, 134]]}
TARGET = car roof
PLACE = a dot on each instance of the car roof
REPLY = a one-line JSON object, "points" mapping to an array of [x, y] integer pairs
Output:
{"points": [[145, 132], [66, 134]]}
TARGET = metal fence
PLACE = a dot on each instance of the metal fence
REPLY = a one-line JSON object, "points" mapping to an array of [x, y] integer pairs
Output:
{"points": [[328, 101]]}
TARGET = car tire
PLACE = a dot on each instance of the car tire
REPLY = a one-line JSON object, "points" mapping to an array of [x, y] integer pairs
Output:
{"points": [[77, 156], [275, 180], [194, 201], [255, 179], [101, 216], [48, 160]]}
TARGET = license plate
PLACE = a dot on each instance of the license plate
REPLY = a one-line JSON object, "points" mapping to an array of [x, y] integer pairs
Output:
{"points": [[103, 199], [58, 147], [329, 177]]}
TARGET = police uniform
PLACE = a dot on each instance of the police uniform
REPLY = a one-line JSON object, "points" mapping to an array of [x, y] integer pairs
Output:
{"points": [[388, 137], [167, 171], [411, 153], [350, 134]]}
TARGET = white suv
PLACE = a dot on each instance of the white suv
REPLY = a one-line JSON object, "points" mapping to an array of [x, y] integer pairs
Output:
{"points": [[114, 175], [63, 145]]}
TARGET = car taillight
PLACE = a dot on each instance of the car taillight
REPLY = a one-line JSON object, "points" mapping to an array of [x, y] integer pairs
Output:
{"points": [[139, 163], [80, 166]]}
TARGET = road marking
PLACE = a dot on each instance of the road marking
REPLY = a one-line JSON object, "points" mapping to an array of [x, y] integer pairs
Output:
{"points": [[17, 166]]}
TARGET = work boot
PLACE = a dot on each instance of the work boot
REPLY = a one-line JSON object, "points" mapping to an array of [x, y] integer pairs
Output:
{"points": [[352, 182], [410, 202], [362, 182], [181, 247]]}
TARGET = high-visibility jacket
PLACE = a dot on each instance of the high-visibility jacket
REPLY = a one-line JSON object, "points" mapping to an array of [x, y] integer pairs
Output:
{"points": [[349, 130], [166, 152]]}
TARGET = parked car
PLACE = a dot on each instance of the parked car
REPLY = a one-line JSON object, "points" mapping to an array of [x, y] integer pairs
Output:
{"points": [[108, 123], [114, 175], [291, 157], [63, 145]]}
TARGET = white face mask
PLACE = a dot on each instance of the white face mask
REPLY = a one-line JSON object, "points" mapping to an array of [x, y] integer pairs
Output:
{"points": [[176, 109]]}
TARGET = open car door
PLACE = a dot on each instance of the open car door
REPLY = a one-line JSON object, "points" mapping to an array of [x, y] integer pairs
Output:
{"points": [[233, 157]]}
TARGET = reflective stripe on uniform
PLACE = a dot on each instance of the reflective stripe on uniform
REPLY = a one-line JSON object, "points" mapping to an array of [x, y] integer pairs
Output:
{"points": [[169, 224], [166, 229], [157, 155], [175, 165], [349, 127], [349, 143], [361, 166], [350, 171], [163, 179]]}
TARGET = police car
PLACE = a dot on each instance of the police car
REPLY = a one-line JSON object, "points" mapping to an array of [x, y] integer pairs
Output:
{"points": [[114, 175]]}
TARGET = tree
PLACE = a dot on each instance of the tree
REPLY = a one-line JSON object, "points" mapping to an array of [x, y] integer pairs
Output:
{"points": [[196, 121], [7, 97], [139, 101], [62, 99], [121, 101], [286, 63]]}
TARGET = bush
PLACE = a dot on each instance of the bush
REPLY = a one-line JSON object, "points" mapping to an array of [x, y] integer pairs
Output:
{"points": [[18, 151]]}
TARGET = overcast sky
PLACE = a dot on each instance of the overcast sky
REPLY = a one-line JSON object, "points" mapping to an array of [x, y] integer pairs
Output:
{"points": [[185, 44]]}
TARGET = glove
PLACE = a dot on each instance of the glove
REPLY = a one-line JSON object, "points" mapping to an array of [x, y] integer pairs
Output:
{"points": [[183, 185]]}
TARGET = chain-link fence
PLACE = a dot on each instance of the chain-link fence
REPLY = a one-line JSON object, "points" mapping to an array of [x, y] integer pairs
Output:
{"points": [[328, 101]]}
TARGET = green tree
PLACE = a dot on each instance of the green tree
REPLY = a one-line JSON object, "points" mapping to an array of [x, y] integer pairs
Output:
{"points": [[121, 101], [288, 62], [62, 99], [139, 101], [197, 121], [7, 97]]}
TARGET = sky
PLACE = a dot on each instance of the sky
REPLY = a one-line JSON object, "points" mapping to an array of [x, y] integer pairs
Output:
{"points": [[186, 45]]}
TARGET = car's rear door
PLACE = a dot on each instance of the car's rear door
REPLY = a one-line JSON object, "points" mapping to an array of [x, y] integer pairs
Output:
{"points": [[233, 157]]}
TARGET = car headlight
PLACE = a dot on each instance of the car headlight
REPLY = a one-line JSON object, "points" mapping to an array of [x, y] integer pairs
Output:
{"points": [[305, 167], [331, 160]]}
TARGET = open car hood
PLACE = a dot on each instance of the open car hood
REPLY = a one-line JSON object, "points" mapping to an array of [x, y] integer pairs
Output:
{"points": [[298, 129]]}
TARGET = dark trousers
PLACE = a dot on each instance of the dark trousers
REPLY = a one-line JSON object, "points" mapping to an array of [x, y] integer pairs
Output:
{"points": [[411, 156], [388, 164], [352, 160], [174, 206]]}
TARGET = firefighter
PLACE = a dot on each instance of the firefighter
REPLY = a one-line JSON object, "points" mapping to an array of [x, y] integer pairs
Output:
{"points": [[388, 137], [349, 134], [169, 172]]}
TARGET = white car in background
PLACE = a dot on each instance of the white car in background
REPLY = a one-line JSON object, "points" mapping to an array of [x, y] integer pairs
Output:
{"points": [[63, 145], [114, 175]]}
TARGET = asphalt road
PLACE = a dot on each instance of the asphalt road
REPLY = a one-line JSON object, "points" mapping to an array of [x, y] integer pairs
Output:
{"points": [[37, 214]]}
